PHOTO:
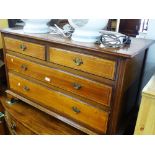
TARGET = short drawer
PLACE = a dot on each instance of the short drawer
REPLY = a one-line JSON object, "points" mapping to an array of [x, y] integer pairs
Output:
{"points": [[86, 88], [94, 65], [26, 48], [70, 107], [15, 127]]}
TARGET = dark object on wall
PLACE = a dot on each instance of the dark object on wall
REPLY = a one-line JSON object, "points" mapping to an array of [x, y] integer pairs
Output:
{"points": [[112, 25], [129, 27], [19, 22], [13, 22], [59, 22]]}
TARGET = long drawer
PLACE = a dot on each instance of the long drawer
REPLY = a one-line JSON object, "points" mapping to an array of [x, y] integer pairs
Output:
{"points": [[22, 118], [70, 107], [94, 65], [95, 91], [26, 48], [15, 127]]}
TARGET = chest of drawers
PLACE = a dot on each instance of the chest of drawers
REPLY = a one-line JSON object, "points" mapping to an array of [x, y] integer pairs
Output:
{"points": [[87, 87]]}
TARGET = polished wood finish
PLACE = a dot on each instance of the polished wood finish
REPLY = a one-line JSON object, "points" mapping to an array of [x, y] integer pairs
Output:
{"points": [[126, 52], [82, 112], [145, 124], [2, 79], [15, 127], [2, 125], [117, 72], [26, 48], [34, 121], [2, 128], [87, 63], [84, 87], [51, 113]]}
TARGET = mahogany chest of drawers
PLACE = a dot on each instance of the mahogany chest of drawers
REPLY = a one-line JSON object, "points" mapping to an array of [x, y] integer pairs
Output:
{"points": [[88, 88]]}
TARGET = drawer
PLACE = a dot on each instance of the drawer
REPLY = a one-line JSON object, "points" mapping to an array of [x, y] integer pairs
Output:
{"points": [[26, 48], [15, 127], [81, 86], [61, 103], [94, 65], [37, 121]]}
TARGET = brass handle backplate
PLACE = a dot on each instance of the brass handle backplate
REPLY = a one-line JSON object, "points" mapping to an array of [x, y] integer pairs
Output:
{"points": [[23, 67], [23, 47], [13, 126], [76, 110], [76, 86], [78, 61], [12, 101], [26, 88]]}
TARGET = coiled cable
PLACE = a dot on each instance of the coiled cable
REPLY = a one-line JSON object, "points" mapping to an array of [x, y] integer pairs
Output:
{"points": [[113, 41]]}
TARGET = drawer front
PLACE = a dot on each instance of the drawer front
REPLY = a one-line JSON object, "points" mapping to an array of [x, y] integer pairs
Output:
{"points": [[66, 105], [26, 48], [15, 127], [86, 88], [101, 67]]}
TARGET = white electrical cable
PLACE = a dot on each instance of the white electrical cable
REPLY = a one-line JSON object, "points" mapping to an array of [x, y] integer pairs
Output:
{"points": [[107, 39], [62, 32]]}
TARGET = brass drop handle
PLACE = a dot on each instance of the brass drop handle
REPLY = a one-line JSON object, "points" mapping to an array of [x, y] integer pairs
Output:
{"points": [[76, 86], [23, 67], [12, 101], [78, 61], [76, 110], [13, 126], [26, 88], [23, 47]]}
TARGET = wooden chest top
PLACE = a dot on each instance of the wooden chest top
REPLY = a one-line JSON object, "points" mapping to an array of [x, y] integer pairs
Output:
{"points": [[136, 46]]}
